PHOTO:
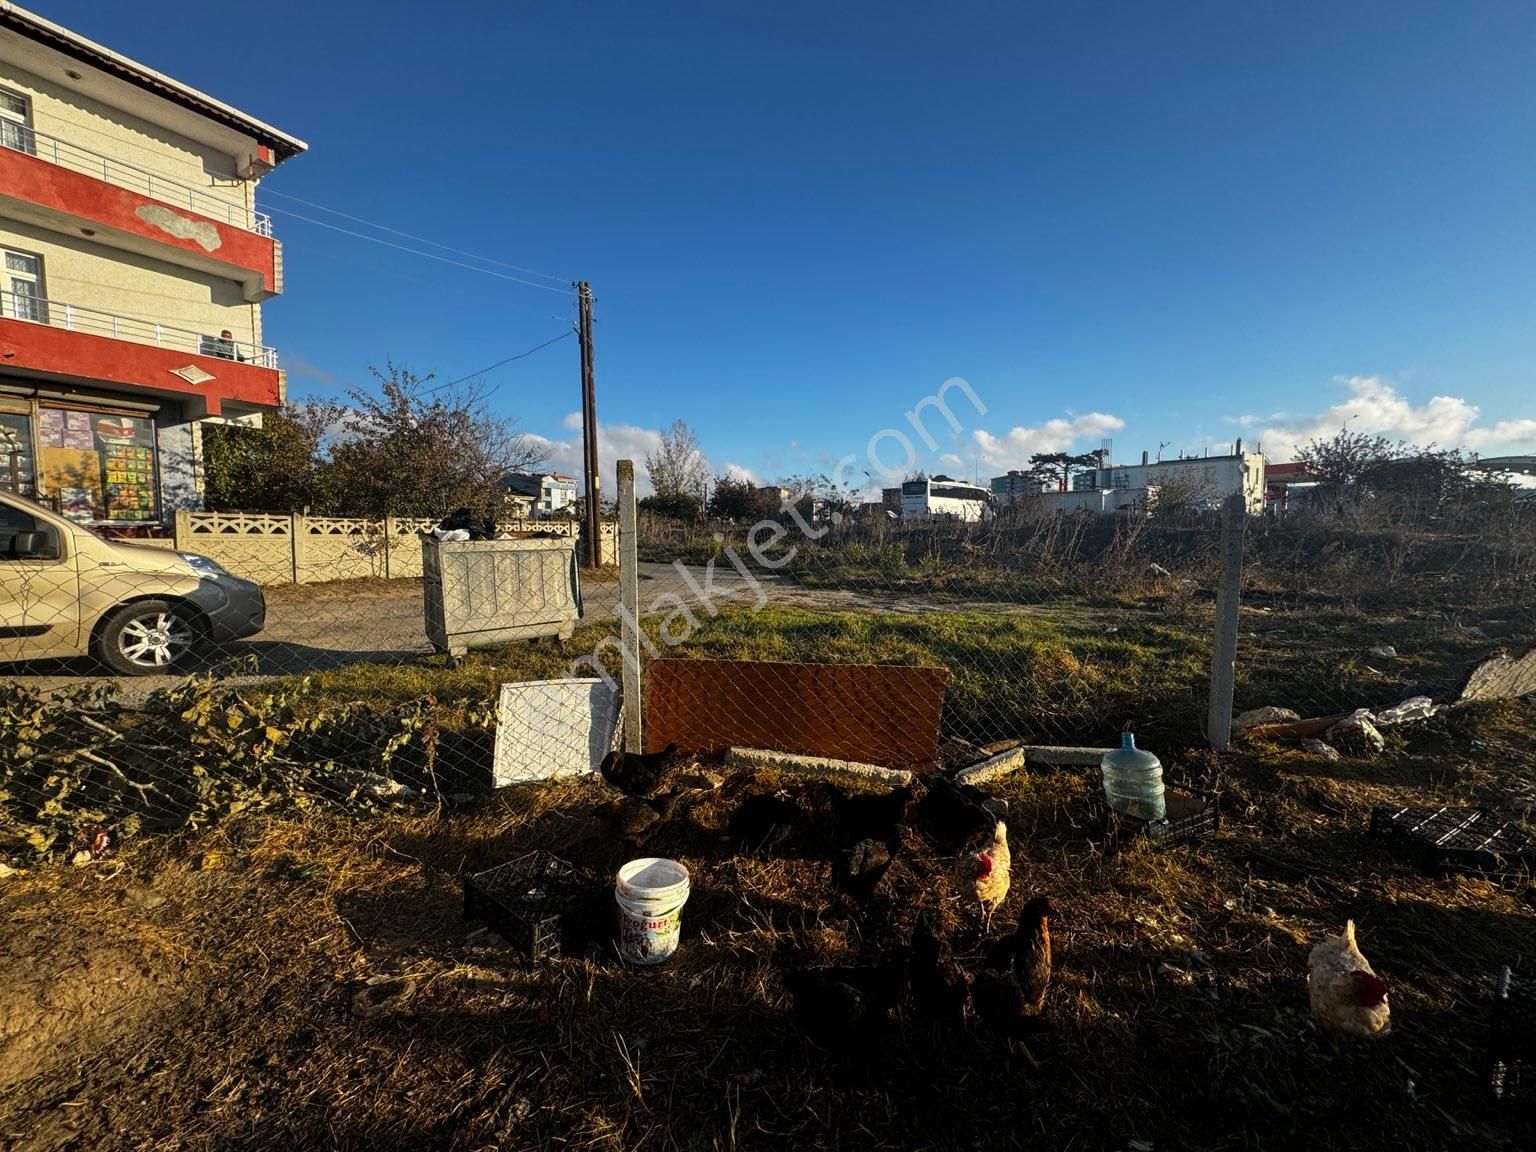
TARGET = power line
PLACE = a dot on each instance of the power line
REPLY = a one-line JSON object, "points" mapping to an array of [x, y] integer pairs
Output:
{"points": [[498, 364], [418, 252], [418, 239]]}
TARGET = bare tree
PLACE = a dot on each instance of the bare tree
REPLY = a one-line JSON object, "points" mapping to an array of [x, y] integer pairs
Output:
{"points": [[414, 451], [677, 468]]}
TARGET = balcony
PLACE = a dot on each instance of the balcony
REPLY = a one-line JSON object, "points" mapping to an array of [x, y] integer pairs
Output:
{"points": [[31, 142], [53, 184], [55, 338]]}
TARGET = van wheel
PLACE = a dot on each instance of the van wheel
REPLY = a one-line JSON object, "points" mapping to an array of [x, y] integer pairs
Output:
{"points": [[148, 636]]}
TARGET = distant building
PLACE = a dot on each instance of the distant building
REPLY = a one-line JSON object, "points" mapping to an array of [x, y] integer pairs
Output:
{"points": [[1015, 485], [539, 496], [772, 496], [1201, 480], [944, 498]]}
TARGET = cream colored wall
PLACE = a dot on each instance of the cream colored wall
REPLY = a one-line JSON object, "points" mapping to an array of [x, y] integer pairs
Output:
{"points": [[66, 114], [80, 272]]}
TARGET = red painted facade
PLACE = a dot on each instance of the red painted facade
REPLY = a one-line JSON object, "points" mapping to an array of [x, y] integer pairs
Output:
{"points": [[246, 256], [25, 346]]}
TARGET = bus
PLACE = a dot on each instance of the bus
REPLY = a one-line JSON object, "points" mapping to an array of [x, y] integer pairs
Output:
{"points": [[944, 498]]}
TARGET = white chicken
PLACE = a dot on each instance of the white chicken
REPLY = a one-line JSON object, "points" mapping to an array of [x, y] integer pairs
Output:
{"points": [[987, 872], [1348, 998]]}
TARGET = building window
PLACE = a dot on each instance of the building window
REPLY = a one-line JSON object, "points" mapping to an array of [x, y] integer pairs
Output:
{"points": [[16, 122], [24, 287]]}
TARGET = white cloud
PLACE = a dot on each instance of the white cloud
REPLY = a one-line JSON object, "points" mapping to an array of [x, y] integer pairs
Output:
{"points": [[1376, 407], [617, 442], [1000, 453], [742, 472]]}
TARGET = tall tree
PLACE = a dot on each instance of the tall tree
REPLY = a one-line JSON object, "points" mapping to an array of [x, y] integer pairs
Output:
{"points": [[677, 468], [1056, 469], [279, 467], [735, 499], [410, 450]]}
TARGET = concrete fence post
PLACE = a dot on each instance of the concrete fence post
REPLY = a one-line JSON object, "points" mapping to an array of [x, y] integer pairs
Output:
{"points": [[629, 608], [1229, 597], [183, 531], [295, 545], [389, 547]]}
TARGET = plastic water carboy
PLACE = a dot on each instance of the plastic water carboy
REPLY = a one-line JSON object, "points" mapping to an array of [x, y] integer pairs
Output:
{"points": [[1133, 781]]}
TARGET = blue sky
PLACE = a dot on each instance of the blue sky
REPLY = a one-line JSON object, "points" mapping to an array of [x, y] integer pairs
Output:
{"points": [[1174, 222]]}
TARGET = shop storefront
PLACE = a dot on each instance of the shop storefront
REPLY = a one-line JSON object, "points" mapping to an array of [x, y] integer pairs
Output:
{"points": [[96, 464]]}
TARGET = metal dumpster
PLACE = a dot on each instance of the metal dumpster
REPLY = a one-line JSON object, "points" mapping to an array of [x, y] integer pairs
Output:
{"points": [[477, 593]]}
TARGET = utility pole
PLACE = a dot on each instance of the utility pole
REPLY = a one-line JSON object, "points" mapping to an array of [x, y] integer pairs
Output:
{"points": [[590, 475]]}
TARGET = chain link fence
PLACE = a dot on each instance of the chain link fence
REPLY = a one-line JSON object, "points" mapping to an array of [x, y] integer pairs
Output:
{"points": [[283, 661]]}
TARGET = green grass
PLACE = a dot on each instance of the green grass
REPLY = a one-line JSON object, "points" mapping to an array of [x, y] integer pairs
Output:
{"points": [[1011, 675]]}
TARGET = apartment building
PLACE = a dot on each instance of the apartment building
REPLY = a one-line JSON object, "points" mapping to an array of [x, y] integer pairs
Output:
{"points": [[135, 267], [540, 496]]}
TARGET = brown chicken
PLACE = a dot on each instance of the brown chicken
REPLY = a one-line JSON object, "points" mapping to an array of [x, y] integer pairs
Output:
{"points": [[987, 873], [1010, 991], [640, 774], [632, 820]]}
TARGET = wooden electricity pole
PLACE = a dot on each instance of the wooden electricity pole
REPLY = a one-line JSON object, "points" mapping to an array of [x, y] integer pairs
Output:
{"points": [[590, 474]]}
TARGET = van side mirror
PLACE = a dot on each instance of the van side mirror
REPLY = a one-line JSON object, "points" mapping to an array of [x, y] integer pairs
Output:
{"points": [[29, 544]]}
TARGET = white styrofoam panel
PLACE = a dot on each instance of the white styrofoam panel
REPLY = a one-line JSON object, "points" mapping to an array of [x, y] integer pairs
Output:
{"points": [[548, 728]]}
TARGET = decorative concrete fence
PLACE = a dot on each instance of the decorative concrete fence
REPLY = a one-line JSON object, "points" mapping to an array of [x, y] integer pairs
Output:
{"points": [[276, 548]]}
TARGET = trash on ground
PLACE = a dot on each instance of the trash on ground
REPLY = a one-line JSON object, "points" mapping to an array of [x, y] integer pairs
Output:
{"points": [[1472, 840], [1382, 652], [541, 905], [873, 714], [1413, 708], [1189, 815], [1502, 678], [1356, 733], [548, 728], [1320, 748], [1266, 715]]}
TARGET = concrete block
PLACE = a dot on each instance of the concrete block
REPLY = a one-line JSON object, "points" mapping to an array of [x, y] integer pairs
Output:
{"points": [[819, 767]]}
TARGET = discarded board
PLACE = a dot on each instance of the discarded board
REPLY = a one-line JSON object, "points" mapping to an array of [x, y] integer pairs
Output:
{"points": [[993, 767], [1502, 678], [548, 728], [885, 715], [821, 767], [1296, 729], [1053, 754]]}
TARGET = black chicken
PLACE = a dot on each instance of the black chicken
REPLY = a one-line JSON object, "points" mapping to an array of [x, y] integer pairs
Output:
{"points": [[760, 822], [857, 869], [641, 774], [958, 817], [862, 816], [846, 1010], [939, 987]]}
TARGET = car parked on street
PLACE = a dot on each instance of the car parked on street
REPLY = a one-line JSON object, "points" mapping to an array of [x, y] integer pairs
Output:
{"points": [[136, 608]]}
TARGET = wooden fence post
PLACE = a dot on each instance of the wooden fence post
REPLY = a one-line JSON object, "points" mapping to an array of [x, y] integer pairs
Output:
{"points": [[1229, 597], [629, 606]]}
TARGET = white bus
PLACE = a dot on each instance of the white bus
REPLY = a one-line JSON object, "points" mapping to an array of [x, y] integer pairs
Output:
{"points": [[943, 498]]}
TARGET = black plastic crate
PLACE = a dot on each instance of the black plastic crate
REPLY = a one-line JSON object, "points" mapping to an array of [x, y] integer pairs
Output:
{"points": [[540, 904], [1192, 815], [1471, 840], [1512, 1038]]}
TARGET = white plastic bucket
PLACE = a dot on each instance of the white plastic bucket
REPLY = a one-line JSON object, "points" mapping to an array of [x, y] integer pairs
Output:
{"points": [[650, 893]]}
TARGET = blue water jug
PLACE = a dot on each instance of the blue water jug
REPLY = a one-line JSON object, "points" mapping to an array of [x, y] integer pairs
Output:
{"points": [[1133, 781]]}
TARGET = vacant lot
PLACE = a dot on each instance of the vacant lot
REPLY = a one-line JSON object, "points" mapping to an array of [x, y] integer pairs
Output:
{"points": [[213, 989]]}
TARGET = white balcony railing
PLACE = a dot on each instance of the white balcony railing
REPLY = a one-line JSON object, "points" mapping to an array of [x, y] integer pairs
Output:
{"points": [[20, 138], [73, 318]]}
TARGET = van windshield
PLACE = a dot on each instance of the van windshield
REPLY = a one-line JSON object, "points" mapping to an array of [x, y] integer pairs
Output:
{"points": [[30, 507]]}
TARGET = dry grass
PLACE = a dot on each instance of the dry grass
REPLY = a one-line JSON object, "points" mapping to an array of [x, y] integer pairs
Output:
{"points": [[198, 992]]}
